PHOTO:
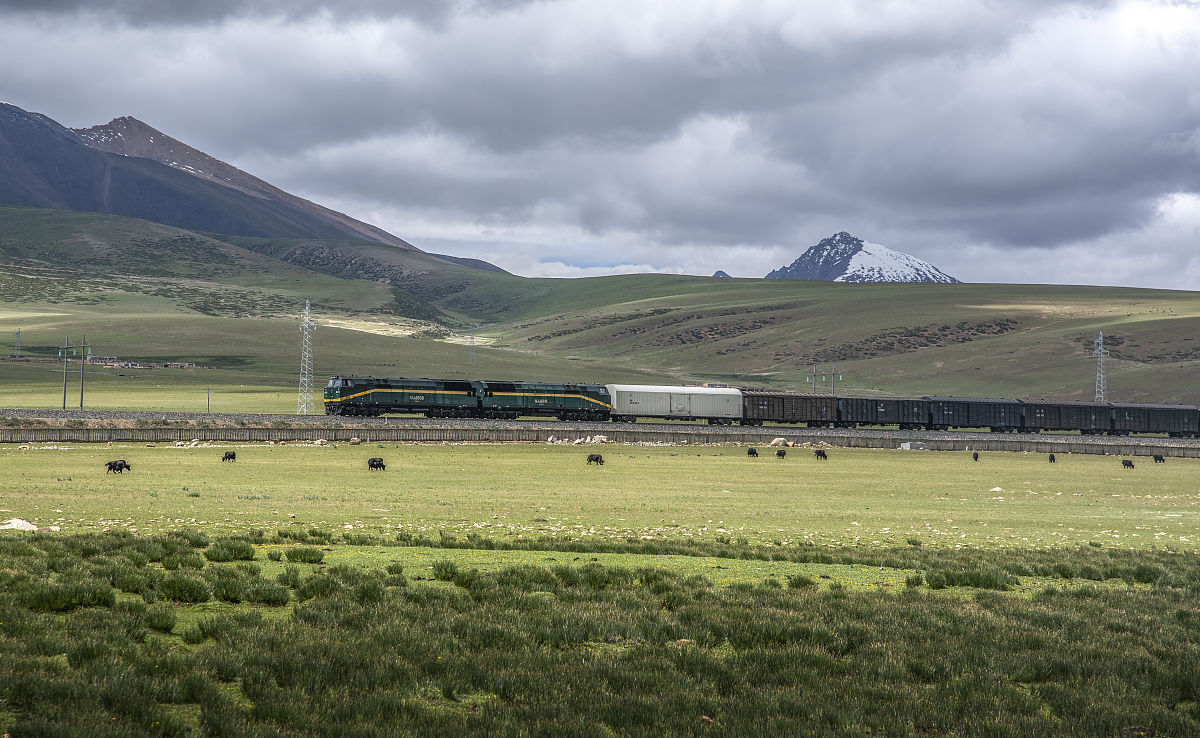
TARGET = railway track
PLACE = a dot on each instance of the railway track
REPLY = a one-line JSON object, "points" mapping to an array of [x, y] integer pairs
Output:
{"points": [[238, 425]]}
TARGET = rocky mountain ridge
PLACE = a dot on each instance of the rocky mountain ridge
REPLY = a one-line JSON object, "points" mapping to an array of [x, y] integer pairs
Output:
{"points": [[47, 165], [130, 137]]}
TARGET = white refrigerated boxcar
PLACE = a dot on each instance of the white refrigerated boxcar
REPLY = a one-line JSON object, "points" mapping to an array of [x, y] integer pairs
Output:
{"points": [[715, 404]]}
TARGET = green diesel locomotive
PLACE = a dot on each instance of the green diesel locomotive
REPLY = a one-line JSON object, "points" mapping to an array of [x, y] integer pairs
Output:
{"points": [[450, 398]]}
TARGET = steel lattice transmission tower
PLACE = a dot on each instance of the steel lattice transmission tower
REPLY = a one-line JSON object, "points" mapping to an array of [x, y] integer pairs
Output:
{"points": [[304, 398], [1099, 351]]}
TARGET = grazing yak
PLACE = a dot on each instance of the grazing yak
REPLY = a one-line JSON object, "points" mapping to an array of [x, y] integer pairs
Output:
{"points": [[820, 454], [1126, 464], [975, 456], [118, 467], [1158, 459], [752, 452], [597, 458], [376, 463], [229, 456], [780, 453], [1051, 458]]}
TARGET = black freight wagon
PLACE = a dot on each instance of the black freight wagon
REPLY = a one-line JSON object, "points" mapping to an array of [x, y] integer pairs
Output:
{"points": [[908, 414], [788, 407], [1174, 420], [974, 412], [1089, 418]]}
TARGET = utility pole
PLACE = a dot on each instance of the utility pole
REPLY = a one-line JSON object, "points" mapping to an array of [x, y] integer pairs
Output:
{"points": [[85, 353], [17, 352], [832, 374], [209, 400], [304, 398], [64, 351], [1099, 351], [471, 353]]}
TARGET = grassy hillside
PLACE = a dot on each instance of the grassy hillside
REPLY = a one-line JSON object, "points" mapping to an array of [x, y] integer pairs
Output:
{"points": [[1006, 340], [152, 293], [146, 291]]}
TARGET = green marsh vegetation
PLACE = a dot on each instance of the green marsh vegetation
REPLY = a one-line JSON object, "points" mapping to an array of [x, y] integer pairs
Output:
{"points": [[96, 638], [512, 589]]}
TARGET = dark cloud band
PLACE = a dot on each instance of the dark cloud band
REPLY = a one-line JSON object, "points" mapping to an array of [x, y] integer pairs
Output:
{"points": [[1029, 126]]}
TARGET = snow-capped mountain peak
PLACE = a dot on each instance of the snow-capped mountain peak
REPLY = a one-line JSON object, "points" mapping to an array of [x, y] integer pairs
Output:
{"points": [[844, 258]]}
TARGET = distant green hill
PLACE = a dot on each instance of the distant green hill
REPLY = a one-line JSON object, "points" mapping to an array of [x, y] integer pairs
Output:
{"points": [[142, 290]]}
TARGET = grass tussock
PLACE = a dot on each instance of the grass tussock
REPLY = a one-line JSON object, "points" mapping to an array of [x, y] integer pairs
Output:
{"points": [[230, 549], [305, 555]]}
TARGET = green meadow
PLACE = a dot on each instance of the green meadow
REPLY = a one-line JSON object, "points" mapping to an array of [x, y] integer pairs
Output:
{"points": [[859, 497]]}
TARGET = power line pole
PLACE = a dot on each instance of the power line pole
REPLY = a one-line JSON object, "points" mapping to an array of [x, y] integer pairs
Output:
{"points": [[471, 353], [18, 346], [304, 398], [85, 353], [1099, 351], [64, 351], [831, 374]]}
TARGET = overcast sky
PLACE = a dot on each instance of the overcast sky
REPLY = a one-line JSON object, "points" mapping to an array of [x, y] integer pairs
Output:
{"points": [[1002, 140]]}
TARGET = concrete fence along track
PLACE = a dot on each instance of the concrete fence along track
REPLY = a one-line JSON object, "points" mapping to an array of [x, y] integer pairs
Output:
{"points": [[667, 435]]}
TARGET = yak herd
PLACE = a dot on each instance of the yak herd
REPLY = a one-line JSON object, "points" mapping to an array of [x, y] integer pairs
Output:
{"points": [[120, 466]]}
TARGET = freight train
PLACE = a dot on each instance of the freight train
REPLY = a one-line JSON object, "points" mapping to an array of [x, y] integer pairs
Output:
{"points": [[459, 398]]}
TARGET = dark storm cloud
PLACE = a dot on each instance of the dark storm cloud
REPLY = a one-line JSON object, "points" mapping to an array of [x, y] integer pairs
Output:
{"points": [[1076, 162], [672, 133]]}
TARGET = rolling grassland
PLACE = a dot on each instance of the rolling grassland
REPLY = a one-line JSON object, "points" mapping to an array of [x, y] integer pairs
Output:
{"points": [[143, 291]]}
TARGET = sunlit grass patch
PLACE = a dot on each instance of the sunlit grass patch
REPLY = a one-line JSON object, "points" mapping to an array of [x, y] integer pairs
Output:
{"points": [[656, 495]]}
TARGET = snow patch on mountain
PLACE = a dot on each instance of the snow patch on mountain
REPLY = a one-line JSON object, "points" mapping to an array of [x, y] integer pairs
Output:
{"points": [[877, 263], [844, 258]]}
